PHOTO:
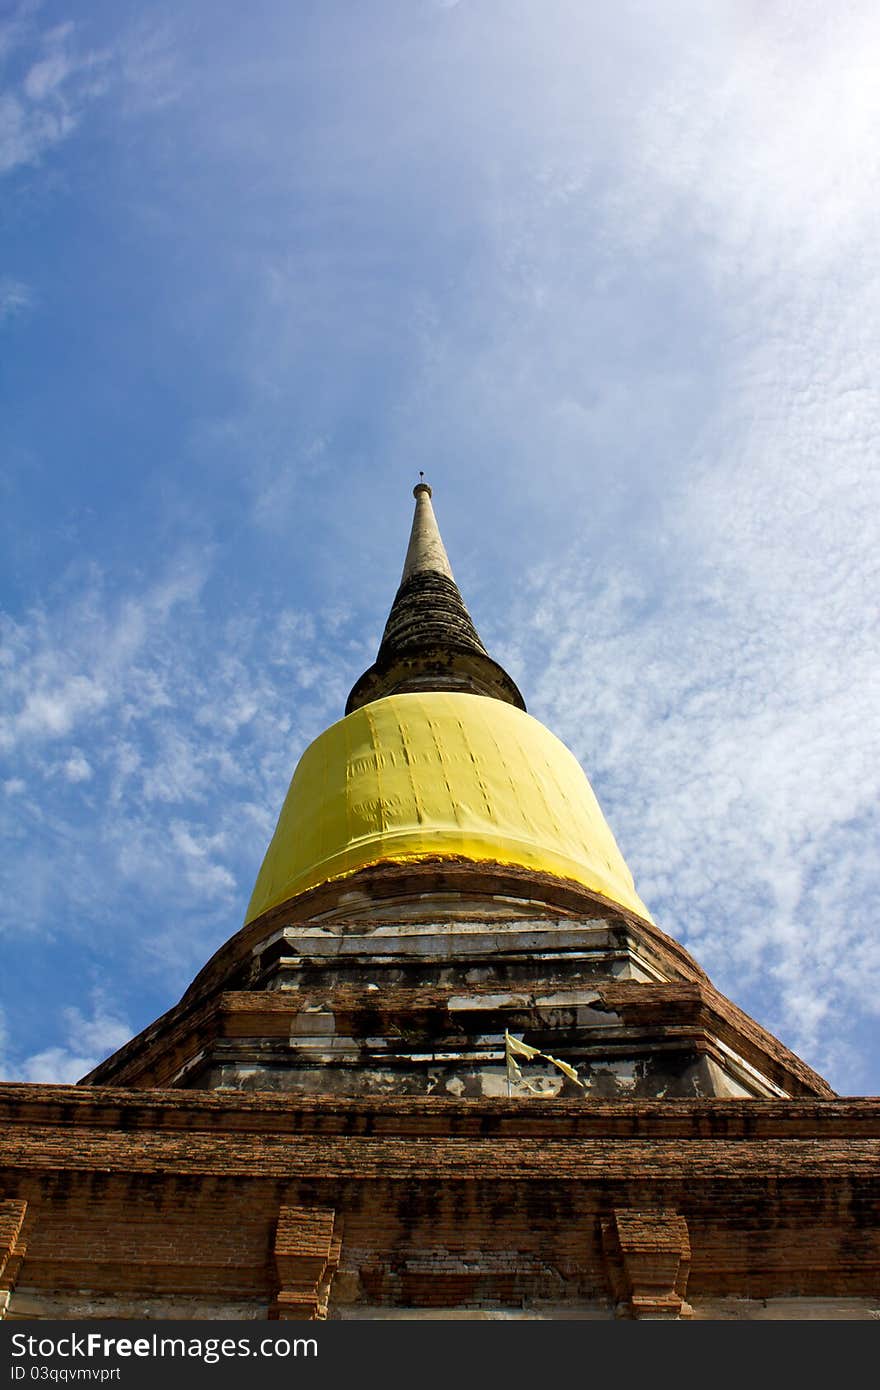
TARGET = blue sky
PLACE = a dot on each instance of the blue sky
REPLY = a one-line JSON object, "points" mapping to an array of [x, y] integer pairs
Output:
{"points": [[610, 276]]}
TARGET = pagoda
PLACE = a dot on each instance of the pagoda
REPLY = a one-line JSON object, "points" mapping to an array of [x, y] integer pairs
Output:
{"points": [[449, 1066]]}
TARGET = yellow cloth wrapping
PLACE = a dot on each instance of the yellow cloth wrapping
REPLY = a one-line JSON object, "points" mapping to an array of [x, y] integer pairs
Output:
{"points": [[515, 1047], [417, 776]]}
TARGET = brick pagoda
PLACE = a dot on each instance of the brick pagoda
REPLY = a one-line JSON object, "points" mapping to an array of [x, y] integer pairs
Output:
{"points": [[449, 1066]]}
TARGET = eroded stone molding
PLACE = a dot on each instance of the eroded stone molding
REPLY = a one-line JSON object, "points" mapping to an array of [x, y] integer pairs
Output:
{"points": [[307, 1250], [12, 1247], [647, 1255]]}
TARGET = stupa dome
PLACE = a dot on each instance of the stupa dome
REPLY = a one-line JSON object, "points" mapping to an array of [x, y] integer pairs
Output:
{"points": [[439, 775]]}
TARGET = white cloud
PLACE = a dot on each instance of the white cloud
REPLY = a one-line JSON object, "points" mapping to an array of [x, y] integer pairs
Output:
{"points": [[101, 1033], [88, 1040], [60, 78], [77, 768], [15, 297], [52, 713], [204, 873], [26, 133], [45, 76], [765, 133], [65, 668], [55, 1065]]}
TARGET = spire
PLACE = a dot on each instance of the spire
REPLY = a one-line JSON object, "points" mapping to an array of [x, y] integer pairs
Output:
{"points": [[430, 642], [426, 550]]}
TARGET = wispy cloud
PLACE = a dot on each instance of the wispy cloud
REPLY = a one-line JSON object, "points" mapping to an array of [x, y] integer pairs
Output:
{"points": [[56, 75], [153, 76], [737, 775], [762, 135], [15, 297], [87, 1041], [60, 671], [57, 80], [148, 753]]}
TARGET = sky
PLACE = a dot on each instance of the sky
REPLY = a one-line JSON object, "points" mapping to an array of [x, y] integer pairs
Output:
{"points": [[610, 276]]}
